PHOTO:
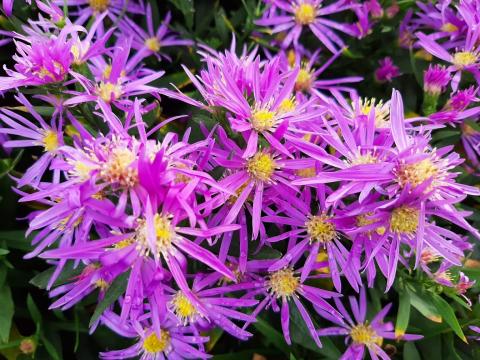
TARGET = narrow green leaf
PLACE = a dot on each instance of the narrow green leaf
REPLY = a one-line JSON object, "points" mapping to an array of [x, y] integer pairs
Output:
{"points": [[410, 352], [116, 288], [272, 335], [449, 315], [4, 252], [403, 315], [422, 302], [6, 313], [52, 351], [34, 312]]}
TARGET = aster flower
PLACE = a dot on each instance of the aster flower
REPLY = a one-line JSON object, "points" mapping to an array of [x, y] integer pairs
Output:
{"points": [[464, 59], [83, 10], [169, 341], [149, 42], [320, 230], [39, 61], [48, 136], [287, 287], [435, 79], [362, 334], [386, 71], [202, 306], [115, 84], [297, 14]]}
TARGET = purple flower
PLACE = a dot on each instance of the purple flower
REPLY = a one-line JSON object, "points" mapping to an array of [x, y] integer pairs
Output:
{"points": [[294, 15], [150, 42], [362, 334], [386, 71], [39, 61], [167, 340], [48, 136], [435, 79]]}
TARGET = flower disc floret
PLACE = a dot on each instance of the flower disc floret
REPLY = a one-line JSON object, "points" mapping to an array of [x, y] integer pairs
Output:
{"points": [[305, 14], [283, 283], [321, 229], [364, 334], [153, 344], [404, 220], [261, 166]]}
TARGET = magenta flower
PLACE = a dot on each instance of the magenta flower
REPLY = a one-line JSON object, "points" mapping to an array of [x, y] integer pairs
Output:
{"points": [[387, 70], [294, 15], [39, 61], [150, 42], [48, 136], [362, 334], [435, 79], [168, 340]]}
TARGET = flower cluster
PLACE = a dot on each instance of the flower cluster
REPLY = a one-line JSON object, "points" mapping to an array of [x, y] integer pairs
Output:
{"points": [[294, 188]]}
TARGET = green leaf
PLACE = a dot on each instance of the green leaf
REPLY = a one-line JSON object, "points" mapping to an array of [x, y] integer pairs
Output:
{"points": [[403, 315], [4, 252], [272, 335], [186, 7], [410, 352], [52, 351], [422, 302], [16, 239], [6, 313], [301, 335], [34, 312], [7, 165], [116, 288], [448, 314], [68, 272]]}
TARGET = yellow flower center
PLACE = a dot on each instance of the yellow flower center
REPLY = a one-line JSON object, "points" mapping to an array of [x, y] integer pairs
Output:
{"points": [[118, 169], [81, 170], [109, 91], [261, 166], [305, 14], [287, 105], [99, 5], [102, 284], [404, 220], [283, 283], [152, 44], [464, 58], [123, 243], [164, 232], [321, 229], [183, 307], [263, 120], [364, 334], [449, 27], [152, 344], [382, 111], [366, 219], [307, 172], [50, 140], [416, 173], [304, 80], [367, 158]]}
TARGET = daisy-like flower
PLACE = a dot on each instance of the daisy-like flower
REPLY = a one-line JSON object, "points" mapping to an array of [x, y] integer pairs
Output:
{"points": [[47, 136], [462, 59], [386, 71], [296, 14], [39, 60], [284, 288], [169, 340], [204, 305], [115, 83], [320, 230], [83, 10], [435, 79], [361, 334], [150, 42]]}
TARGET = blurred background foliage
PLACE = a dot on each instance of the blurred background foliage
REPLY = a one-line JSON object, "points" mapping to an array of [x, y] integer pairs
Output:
{"points": [[28, 329]]}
